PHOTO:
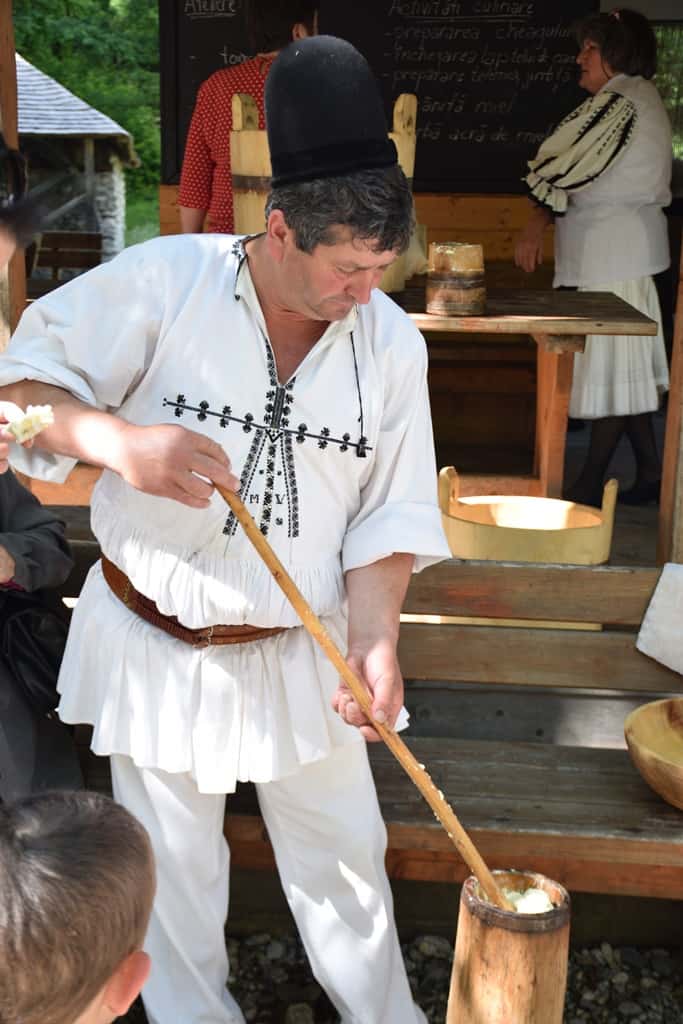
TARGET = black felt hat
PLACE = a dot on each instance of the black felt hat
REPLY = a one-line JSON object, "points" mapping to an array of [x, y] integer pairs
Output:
{"points": [[324, 113]]}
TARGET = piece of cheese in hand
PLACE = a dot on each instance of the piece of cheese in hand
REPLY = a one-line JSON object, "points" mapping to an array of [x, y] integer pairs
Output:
{"points": [[30, 423]]}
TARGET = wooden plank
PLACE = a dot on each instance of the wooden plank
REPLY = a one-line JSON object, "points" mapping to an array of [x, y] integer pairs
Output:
{"points": [[612, 595], [12, 277], [554, 383], [76, 489], [515, 350], [495, 483], [169, 215], [534, 312], [470, 379], [578, 871], [71, 240], [484, 212], [496, 244], [618, 837], [574, 718], [73, 259], [670, 534], [530, 657]]}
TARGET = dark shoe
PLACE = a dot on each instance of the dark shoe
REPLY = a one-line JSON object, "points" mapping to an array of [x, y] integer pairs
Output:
{"points": [[641, 494]]}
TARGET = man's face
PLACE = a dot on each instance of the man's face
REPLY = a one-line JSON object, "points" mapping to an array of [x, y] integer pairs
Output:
{"points": [[327, 283]]}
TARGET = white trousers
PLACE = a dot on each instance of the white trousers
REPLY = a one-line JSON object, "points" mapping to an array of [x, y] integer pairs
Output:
{"points": [[329, 841]]}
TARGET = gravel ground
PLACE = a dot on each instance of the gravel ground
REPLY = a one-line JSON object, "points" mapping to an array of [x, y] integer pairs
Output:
{"points": [[271, 980]]}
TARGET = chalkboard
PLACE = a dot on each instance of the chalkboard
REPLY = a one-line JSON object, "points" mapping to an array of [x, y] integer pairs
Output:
{"points": [[197, 37], [491, 76]]}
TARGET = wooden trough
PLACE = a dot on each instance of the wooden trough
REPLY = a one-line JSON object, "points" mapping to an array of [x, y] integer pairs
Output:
{"points": [[511, 528]]}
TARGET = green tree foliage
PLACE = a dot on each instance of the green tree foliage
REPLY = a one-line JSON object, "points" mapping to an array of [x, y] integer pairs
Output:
{"points": [[669, 78], [106, 52]]}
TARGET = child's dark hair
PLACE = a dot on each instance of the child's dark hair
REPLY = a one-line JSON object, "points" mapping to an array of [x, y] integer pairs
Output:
{"points": [[626, 40], [76, 888], [270, 22]]}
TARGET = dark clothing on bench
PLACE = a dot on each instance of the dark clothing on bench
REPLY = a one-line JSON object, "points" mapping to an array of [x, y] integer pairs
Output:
{"points": [[36, 751]]}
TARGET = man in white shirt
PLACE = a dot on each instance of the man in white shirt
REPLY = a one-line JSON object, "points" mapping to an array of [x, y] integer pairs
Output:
{"points": [[279, 351]]}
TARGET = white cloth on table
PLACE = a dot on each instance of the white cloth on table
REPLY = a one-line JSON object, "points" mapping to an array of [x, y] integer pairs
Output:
{"points": [[614, 228], [661, 632], [154, 335], [621, 375], [342, 904]]}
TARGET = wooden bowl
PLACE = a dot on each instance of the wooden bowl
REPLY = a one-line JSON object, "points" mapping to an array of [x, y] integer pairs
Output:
{"points": [[520, 528], [654, 736]]}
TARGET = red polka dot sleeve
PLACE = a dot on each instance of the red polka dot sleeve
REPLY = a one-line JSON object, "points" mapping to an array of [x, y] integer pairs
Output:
{"points": [[206, 179]]}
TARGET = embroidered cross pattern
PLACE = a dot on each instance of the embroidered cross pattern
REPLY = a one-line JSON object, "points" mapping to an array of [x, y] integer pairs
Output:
{"points": [[300, 434]]}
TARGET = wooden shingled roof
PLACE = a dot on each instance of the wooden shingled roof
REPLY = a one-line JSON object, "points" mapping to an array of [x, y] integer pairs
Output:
{"points": [[47, 108]]}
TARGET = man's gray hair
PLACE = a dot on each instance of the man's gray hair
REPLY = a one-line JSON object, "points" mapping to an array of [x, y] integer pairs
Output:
{"points": [[376, 205]]}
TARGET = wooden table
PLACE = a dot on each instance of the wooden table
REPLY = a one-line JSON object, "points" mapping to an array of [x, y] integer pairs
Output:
{"points": [[558, 321]]}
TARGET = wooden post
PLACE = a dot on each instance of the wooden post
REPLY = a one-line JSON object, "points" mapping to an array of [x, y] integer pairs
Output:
{"points": [[510, 968], [404, 136], [250, 165], [553, 388], [12, 278], [670, 539]]}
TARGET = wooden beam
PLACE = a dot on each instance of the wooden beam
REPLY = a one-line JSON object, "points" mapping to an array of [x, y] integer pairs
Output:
{"points": [[12, 278], [553, 390], [502, 656], [615, 596], [670, 539]]}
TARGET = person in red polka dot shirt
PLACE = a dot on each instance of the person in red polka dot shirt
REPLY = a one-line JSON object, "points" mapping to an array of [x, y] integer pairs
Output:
{"points": [[205, 194]]}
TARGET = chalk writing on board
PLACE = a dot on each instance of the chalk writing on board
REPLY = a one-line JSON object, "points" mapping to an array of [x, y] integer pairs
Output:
{"points": [[229, 59], [211, 8], [492, 77]]}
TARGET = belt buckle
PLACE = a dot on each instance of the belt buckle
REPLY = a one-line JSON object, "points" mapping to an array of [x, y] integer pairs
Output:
{"points": [[205, 640]]}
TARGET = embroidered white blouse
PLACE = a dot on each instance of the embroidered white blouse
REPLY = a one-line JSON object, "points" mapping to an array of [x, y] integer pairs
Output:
{"points": [[337, 466], [614, 228]]}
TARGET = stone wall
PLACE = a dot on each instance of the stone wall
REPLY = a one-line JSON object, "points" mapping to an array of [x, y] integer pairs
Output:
{"points": [[110, 206]]}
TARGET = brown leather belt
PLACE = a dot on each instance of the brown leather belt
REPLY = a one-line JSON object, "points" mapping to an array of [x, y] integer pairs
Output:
{"points": [[209, 636]]}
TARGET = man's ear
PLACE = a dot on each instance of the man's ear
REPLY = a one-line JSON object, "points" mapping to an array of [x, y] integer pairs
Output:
{"points": [[278, 234], [125, 984]]}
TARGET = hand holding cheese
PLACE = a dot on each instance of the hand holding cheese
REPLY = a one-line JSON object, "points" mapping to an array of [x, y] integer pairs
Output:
{"points": [[24, 426], [20, 426]]}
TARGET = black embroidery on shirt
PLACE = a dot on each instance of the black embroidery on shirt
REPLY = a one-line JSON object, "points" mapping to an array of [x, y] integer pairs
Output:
{"points": [[301, 433], [273, 436]]}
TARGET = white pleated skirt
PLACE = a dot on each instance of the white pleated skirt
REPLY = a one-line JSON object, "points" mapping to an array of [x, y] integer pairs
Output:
{"points": [[621, 375]]}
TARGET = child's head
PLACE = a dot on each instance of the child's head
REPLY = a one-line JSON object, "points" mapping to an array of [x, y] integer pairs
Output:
{"points": [[76, 889]]}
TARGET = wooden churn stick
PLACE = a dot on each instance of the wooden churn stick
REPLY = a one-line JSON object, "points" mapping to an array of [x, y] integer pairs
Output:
{"points": [[415, 770]]}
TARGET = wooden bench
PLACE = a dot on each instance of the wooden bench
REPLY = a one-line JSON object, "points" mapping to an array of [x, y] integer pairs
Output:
{"points": [[63, 250], [520, 727]]}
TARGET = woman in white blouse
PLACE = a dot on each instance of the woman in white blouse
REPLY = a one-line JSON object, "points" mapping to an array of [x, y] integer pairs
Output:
{"points": [[603, 177]]}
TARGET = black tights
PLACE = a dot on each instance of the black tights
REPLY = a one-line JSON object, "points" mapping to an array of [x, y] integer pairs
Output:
{"points": [[605, 436]]}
